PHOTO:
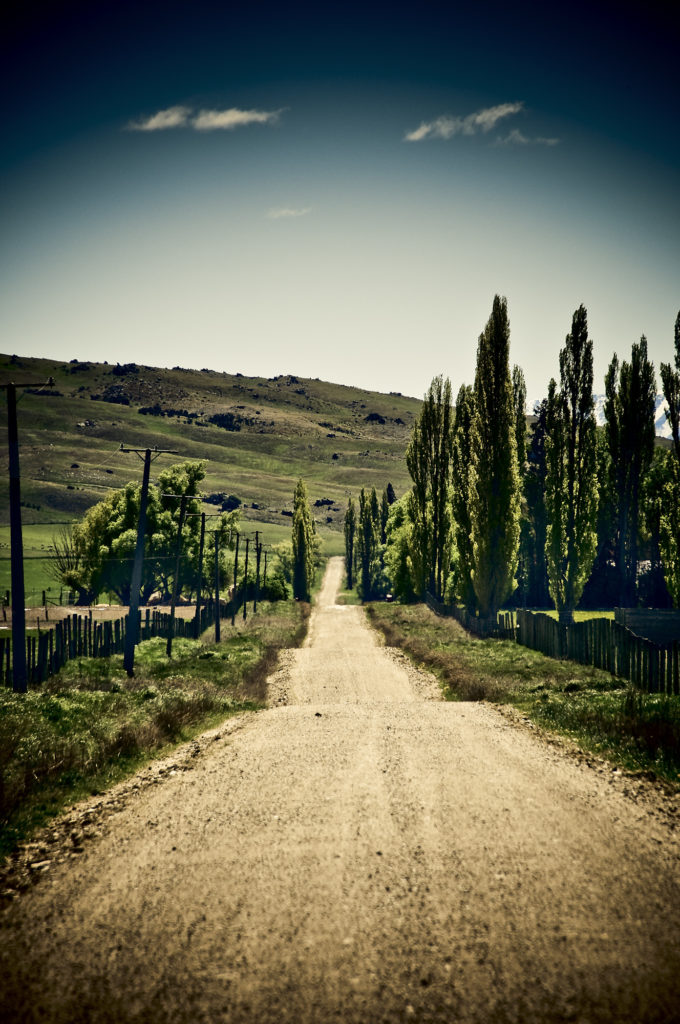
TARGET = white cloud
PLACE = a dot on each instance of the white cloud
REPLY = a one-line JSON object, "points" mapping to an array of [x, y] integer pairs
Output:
{"points": [[173, 117], [204, 120], [288, 211], [446, 127], [518, 138], [227, 120]]}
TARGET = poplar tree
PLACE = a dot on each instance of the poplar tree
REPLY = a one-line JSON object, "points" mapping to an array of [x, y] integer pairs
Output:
{"points": [[494, 476], [367, 542], [629, 410], [350, 533], [670, 520], [303, 544], [571, 479], [670, 379], [534, 488], [428, 459], [384, 515], [460, 495], [519, 394]]}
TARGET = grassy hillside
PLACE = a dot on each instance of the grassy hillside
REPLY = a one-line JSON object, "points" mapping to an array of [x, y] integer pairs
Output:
{"points": [[338, 438]]}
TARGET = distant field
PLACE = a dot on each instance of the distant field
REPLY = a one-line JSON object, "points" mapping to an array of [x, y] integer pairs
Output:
{"points": [[37, 540]]}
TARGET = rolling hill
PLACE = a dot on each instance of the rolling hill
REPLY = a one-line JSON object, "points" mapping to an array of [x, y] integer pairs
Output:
{"points": [[257, 436]]}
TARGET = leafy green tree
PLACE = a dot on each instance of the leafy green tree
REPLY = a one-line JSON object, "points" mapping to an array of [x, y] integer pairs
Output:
{"points": [[670, 529], [303, 545], [101, 547], [391, 496], [655, 487], [350, 533], [629, 410], [461, 457], [571, 481], [398, 564], [494, 475], [428, 459]]}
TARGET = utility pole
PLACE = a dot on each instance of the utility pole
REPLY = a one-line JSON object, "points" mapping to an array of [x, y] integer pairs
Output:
{"points": [[245, 583], [175, 582], [19, 680], [258, 554], [235, 593], [201, 548], [148, 455], [217, 585], [200, 577], [264, 581]]}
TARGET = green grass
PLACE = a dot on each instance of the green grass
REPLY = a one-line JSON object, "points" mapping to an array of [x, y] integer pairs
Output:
{"points": [[585, 616], [90, 725], [601, 713]]}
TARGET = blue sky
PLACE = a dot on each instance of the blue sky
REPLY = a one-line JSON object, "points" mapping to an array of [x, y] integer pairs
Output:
{"points": [[338, 191]]}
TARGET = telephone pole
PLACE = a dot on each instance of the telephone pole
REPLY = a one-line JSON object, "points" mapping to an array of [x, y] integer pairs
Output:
{"points": [[19, 681], [200, 578], [216, 535], [258, 555], [235, 592], [175, 582], [148, 455], [245, 583]]}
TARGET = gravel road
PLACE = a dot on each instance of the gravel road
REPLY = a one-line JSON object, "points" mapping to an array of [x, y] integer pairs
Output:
{"points": [[359, 852]]}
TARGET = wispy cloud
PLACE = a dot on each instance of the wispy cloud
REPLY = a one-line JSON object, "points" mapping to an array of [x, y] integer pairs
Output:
{"points": [[279, 212], [518, 138], [204, 120], [227, 120], [446, 127], [173, 117]]}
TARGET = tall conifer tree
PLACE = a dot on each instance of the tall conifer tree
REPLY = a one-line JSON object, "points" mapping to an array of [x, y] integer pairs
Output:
{"points": [[428, 458], [534, 487], [460, 495], [571, 480], [350, 533], [670, 520], [629, 409], [303, 544], [519, 393], [494, 476]]}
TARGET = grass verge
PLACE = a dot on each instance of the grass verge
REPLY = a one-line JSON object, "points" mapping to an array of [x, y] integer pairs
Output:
{"points": [[601, 713], [89, 726]]}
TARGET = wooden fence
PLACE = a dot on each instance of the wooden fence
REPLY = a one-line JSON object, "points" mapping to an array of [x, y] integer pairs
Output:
{"points": [[80, 636], [603, 643], [503, 628], [606, 644]]}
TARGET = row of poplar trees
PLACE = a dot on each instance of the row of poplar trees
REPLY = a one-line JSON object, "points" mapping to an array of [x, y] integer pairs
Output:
{"points": [[494, 510]]}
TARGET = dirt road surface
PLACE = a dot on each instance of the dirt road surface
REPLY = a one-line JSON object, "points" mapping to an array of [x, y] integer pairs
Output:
{"points": [[359, 852]]}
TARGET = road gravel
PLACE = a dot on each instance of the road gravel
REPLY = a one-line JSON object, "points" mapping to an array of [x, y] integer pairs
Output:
{"points": [[361, 851]]}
